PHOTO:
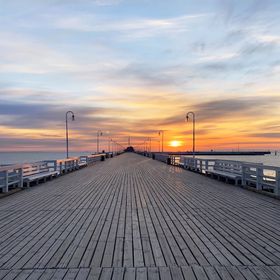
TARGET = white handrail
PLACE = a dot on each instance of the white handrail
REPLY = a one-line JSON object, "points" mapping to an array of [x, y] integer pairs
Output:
{"points": [[263, 178]]}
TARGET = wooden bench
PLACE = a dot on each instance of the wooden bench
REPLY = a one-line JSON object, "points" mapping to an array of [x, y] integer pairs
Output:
{"points": [[87, 160], [227, 169], [36, 172], [82, 164], [162, 157]]}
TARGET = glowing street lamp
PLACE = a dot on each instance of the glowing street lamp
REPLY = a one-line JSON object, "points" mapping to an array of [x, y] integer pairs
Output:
{"points": [[188, 117], [67, 136]]}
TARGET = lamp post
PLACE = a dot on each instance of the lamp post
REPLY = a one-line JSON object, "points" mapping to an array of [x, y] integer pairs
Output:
{"points": [[109, 146], [99, 133], [150, 139], [193, 117], [161, 132], [67, 136], [112, 146]]}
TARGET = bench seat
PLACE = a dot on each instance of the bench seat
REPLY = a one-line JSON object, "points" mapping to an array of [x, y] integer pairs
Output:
{"points": [[82, 164], [39, 176], [227, 175]]}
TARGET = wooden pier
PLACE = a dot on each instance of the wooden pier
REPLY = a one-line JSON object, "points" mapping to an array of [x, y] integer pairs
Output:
{"points": [[132, 217]]}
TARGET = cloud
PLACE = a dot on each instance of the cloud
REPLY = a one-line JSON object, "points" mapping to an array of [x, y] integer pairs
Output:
{"points": [[19, 54], [235, 10], [129, 28], [242, 107], [39, 115], [266, 135]]}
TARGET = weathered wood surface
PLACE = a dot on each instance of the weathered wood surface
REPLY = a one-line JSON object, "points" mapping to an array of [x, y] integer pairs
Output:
{"points": [[131, 217]]}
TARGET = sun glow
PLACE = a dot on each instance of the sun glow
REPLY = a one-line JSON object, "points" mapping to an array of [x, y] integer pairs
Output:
{"points": [[175, 143]]}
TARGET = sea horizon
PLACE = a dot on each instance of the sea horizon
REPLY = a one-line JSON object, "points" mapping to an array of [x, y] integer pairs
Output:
{"points": [[8, 157]]}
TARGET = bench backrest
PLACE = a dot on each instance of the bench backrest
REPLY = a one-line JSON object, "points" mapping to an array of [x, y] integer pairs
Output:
{"points": [[228, 166], [30, 169], [91, 158]]}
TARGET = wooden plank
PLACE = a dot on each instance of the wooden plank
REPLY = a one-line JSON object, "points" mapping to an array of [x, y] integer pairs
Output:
{"points": [[176, 273], [130, 273], [71, 274], [188, 273], [118, 273], [199, 272], [24, 274], [11, 275], [106, 273], [212, 274], [153, 273], [83, 274], [135, 218], [141, 273], [165, 273], [94, 273]]}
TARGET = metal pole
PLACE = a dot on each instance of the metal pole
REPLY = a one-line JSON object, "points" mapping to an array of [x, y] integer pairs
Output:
{"points": [[67, 144], [162, 140], [187, 117], [99, 133], [66, 127], [161, 132], [97, 143]]}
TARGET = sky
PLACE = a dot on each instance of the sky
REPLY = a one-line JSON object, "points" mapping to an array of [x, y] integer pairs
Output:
{"points": [[134, 67]]}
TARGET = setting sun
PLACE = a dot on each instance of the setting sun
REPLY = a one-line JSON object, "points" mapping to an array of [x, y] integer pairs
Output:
{"points": [[175, 143]]}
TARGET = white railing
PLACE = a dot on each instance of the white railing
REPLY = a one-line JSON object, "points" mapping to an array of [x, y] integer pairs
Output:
{"points": [[197, 164], [68, 165], [89, 159], [262, 177], [10, 176], [63, 165], [14, 175], [161, 157]]}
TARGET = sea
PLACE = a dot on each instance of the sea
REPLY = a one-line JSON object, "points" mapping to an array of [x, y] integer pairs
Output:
{"points": [[272, 159], [22, 157]]}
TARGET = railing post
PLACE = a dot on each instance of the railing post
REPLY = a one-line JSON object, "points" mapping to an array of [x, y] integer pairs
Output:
{"points": [[195, 164], [21, 178], [277, 186], [243, 175], [6, 180], [185, 162], [259, 178]]}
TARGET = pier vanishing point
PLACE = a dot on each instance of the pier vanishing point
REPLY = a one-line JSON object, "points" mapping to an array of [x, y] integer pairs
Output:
{"points": [[131, 217]]}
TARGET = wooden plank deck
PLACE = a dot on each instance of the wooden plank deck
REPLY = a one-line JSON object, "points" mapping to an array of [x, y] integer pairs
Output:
{"points": [[131, 217]]}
